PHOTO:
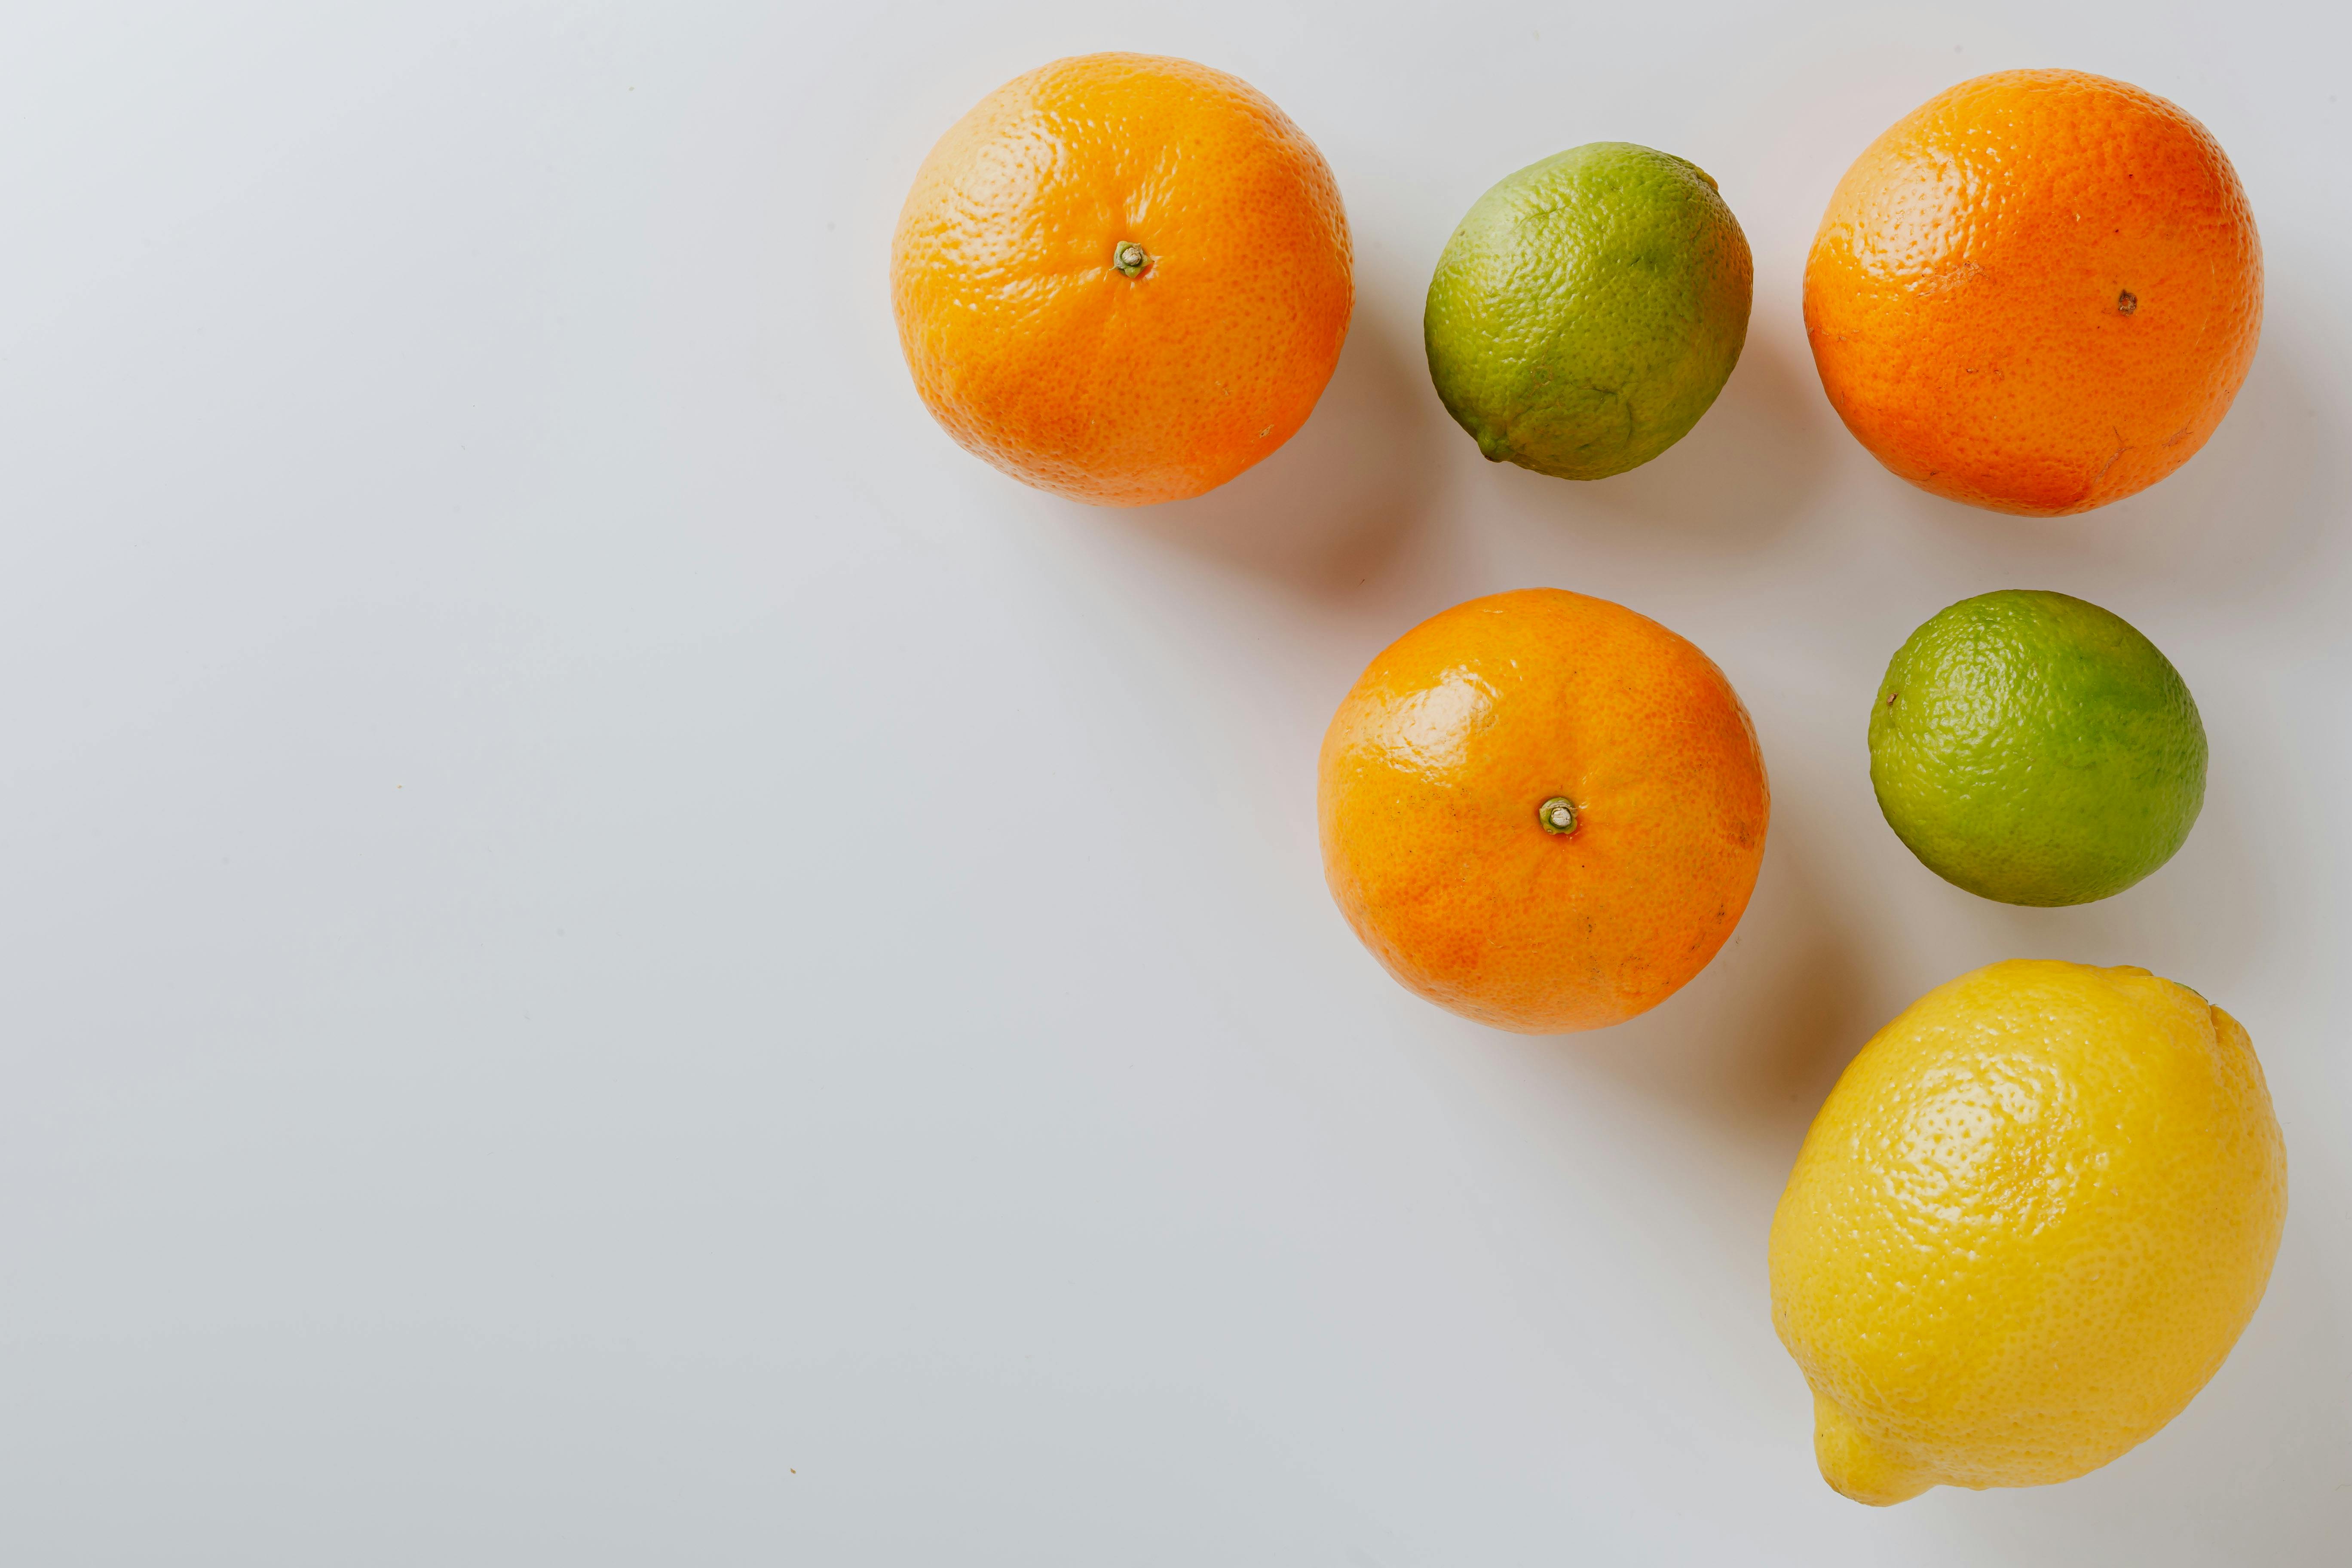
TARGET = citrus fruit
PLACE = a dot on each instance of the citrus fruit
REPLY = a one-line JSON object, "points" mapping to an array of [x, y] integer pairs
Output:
{"points": [[2035, 749], [1542, 810], [2037, 293], [1122, 278], [2025, 1229], [1587, 310]]}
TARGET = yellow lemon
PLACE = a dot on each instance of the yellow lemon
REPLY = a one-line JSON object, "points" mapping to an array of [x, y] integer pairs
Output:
{"points": [[2027, 1227]]}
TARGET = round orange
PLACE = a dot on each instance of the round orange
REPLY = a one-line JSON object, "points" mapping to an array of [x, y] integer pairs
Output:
{"points": [[1123, 277], [1542, 810], [2037, 293]]}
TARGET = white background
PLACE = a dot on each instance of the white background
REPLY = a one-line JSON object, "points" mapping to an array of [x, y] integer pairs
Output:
{"points": [[615, 953]]}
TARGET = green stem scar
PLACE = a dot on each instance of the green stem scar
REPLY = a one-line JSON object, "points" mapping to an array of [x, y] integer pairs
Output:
{"points": [[1129, 258], [1557, 814]]}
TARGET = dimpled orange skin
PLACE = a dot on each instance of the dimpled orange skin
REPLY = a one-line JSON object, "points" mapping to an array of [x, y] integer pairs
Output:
{"points": [[1434, 767], [2038, 292], [1036, 353]]}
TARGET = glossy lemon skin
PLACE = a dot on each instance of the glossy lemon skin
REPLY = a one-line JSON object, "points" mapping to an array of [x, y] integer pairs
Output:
{"points": [[2026, 1229]]}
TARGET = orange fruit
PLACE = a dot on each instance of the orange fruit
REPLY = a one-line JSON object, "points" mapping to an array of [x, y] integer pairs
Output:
{"points": [[2037, 293], [1542, 810], [1123, 277]]}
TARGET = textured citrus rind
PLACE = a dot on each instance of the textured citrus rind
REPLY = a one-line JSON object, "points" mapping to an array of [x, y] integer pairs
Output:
{"points": [[2027, 1227], [1437, 762], [2033, 748], [2038, 292], [1034, 351], [1587, 310]]}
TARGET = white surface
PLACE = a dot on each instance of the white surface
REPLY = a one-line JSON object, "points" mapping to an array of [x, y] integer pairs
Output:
{"points": [[618, 954]]}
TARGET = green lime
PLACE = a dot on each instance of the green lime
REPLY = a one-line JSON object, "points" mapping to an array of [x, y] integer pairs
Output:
{"points": [[1587, 310], [2036, 749]]}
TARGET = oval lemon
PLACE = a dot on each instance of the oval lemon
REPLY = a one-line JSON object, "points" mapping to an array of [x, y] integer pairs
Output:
{"points": [[2027, 1227]]}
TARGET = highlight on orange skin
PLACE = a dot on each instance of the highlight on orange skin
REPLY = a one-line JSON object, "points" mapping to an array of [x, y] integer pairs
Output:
{"points": [[2038, 292], [1123, 277]]}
